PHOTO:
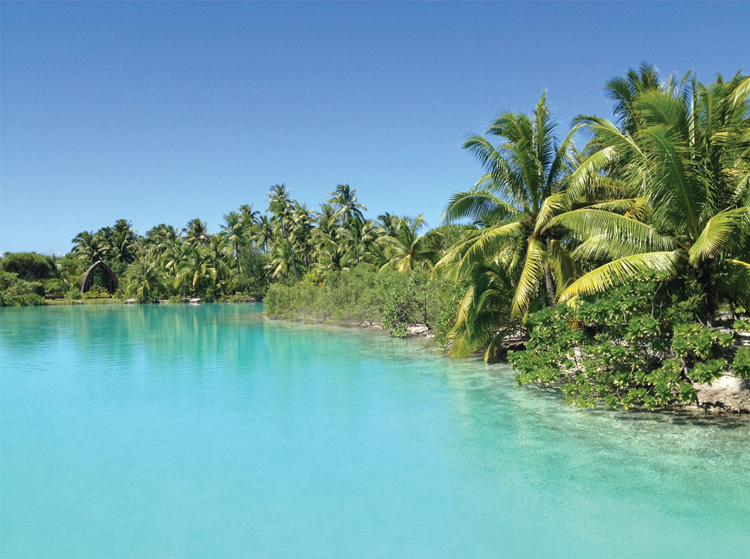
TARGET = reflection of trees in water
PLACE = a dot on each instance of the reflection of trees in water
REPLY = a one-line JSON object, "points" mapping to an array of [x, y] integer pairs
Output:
{"points": [[113, 335]]}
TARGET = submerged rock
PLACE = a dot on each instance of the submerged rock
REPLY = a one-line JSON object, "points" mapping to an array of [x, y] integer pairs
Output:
{"points": [[727, 393]]}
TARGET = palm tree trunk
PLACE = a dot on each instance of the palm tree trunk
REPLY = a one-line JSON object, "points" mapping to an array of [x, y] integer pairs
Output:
{"points": [[709, 291], [291, 253], [550, 287], [239, 274]]}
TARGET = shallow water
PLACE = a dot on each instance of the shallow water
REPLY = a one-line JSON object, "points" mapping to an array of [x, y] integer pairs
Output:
{"points": [[185, 431]]}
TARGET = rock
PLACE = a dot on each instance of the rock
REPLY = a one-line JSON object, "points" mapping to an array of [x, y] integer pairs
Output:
{"points": [[729, 393], [163, 301], [130, 301], [196, 301], [417, 330]]}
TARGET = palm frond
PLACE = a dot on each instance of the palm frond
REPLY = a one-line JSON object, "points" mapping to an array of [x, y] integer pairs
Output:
{"points": [[716, 234], [628, 267]]}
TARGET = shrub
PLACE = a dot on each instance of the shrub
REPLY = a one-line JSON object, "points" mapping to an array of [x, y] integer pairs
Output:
{"points": [[54, 288], [638, 345], [29, 266], [18, 292], [96, 292], [360, 294]]}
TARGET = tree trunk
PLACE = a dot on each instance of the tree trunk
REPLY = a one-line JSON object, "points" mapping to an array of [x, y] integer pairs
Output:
{"points": [[709, 291], [291, 252], [239, 273], [550, 283]]}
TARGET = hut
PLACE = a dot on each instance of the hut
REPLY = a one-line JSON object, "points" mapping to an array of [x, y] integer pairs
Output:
{"points": [[101, 275]]}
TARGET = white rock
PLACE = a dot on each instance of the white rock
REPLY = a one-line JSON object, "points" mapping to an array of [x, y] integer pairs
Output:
{"points": [[728, 392]]}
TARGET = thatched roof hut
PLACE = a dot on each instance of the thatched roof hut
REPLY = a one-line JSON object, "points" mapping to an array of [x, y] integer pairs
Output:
{"points": [[99, 274]]}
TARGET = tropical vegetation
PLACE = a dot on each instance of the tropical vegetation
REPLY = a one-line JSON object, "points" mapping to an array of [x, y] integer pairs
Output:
{"points": [[610, 260]]}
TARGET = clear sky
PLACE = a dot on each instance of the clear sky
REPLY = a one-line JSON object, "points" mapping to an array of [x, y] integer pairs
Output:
{"points": [[161, 112]]}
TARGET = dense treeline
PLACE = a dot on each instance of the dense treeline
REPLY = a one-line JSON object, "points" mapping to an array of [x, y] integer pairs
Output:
{"points": [[251, 251], [617, 257]]}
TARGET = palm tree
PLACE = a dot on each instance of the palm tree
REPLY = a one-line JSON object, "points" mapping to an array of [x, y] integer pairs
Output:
{"points": [[196, 271], [522, 191], [388, 225], [249, 216], [263, 232], [345, 201], [89, 247], [196, 232], [406, 249], [625, 91], [304, 224], [689, 156], [280, 206], [234, 228], [356, 238], [145, 280]]}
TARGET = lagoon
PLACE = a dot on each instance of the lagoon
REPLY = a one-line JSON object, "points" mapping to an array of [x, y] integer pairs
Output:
{"points": [[210, 431]]}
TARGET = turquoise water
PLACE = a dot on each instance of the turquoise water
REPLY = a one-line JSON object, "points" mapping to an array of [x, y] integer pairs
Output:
{"points": [[183, 431]]}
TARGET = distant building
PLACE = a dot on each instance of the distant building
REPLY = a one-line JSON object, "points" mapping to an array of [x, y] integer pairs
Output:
{"points": [[101, 275]]}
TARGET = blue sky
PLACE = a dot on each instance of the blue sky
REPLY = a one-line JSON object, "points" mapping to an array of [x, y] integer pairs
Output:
{"points": [[161, 112]]}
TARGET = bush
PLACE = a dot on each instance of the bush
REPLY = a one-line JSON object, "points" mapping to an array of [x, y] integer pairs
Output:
{"points": [[18, 292], [54, 288], [638, 345], [359, 295], [422, 300], [29, 266], [73, 294], [96, 292]]}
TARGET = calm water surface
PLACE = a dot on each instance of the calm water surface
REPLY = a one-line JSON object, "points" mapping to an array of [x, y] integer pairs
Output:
{"points": [[182, 431]]}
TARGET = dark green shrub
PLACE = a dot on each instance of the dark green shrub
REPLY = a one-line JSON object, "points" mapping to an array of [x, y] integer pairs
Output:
{"points": [[29, 266], [638, 345]]}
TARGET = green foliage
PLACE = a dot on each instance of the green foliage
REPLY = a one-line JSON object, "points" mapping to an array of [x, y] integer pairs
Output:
{"points": [[18, 292], [420, 301], [29, 266], [174, 299], [361, 294], [741, 364], [96, 292], [637, 346], [74, 294], [54, 288], [446, 319]]}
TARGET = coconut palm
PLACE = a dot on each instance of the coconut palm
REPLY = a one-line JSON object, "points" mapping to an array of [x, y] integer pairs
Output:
{"points": [[522, 190], [234, 227], [405, 249], [145, 280], [196, 233], [262, 232], [344, 199], [196, 271], [689, 157], [249, 216], [356, 238], [89, 247], [280, 205]]}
